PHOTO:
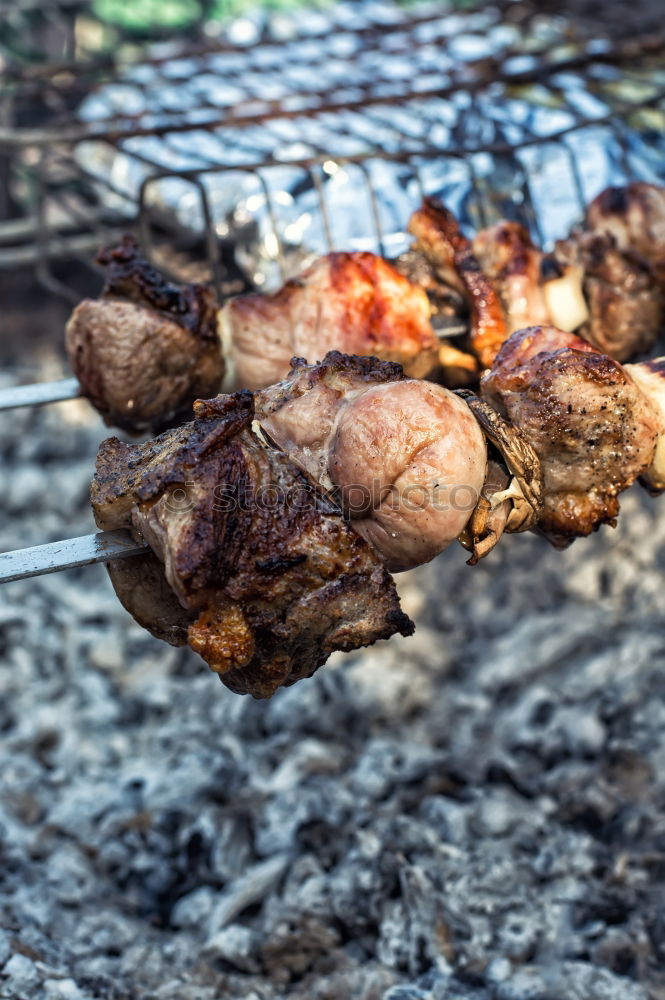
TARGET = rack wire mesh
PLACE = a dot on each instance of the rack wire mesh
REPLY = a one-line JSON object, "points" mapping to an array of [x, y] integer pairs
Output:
{"points": [[362, 109]]}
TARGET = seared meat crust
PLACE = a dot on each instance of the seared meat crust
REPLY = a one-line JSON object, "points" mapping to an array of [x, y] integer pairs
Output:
{"points": [[406, 457], [635, 216], [147, 348], [594, 431], [300, 412], [251, 564], [356, 303], [512, 262], [440, 240], [626, 304], [129, 276]]}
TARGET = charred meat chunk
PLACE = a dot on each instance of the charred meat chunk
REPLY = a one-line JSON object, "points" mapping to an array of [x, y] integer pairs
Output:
{"points": [[251, 563], [146, 348], [356, 303], [593, 429]]}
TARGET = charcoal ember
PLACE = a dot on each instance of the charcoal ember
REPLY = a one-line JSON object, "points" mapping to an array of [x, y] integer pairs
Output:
{"points": [[294, 941]]}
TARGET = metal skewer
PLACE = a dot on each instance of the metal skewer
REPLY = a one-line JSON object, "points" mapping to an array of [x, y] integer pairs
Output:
{"points": [[39, 393], [42, 393], [38, 560]]}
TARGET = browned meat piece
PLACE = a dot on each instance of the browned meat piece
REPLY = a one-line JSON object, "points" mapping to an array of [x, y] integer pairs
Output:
{"points": [[626, 305], [352, 302], [508, 257], [406, 457], [594, 431], [635, 216], [439, 239], [650, 376], [251, 564], [146, 349], [446, 302]]}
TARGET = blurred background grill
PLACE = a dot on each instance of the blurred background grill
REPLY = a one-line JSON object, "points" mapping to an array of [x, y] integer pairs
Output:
{"points": [[248, 146]]}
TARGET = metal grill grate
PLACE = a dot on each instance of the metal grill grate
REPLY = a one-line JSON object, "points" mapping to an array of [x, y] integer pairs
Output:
{"points": [[496, 110]]}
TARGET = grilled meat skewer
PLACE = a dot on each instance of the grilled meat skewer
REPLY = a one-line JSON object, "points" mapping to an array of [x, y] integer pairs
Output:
{"points": [[147, 348], [253, 564], [356, 303], [252, 561], [607, 284]]}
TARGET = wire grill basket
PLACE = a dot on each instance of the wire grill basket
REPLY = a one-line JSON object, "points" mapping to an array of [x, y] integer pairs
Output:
{"points": [[322, 134]]}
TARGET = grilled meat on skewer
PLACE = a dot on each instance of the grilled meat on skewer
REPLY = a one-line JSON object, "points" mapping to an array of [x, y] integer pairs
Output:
{"points": [[500, 274], [609, 296], [626, 305], [449, 252], [509, 258], [252, 565], [650, 376], [356, 303], [406, 457], [635, 216], [606, 282], [252, 562], [593, 429], [147, 348]]}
